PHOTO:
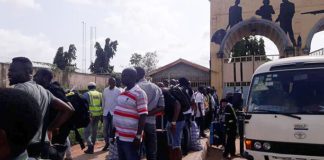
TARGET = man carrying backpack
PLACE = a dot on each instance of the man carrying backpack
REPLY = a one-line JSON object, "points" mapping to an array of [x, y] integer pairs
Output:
{"points": [[94, 98], [20, 75], [44, 77], [182, 92]]}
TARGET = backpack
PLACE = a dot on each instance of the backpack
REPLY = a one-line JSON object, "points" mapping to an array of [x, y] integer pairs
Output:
{"points": [[81, 116], [180, 94]]}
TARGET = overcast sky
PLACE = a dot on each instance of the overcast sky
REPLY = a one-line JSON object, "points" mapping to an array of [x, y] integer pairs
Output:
{"points": [[173, 28]]}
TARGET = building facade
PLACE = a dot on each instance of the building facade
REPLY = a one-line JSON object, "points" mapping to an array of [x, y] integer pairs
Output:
{"points": [[196, 74]]}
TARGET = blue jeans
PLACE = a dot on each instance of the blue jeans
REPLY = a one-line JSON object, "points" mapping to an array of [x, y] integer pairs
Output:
{"points": [[150, 141], [127, 151], [90, 133], [174, 140], [108, 127]]}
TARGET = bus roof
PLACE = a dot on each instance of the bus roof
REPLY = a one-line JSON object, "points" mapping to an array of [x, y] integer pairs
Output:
{"points": [[288, 61]]}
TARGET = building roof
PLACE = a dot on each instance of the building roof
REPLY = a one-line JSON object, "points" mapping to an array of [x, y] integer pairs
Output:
{"points": [[179, 61]]}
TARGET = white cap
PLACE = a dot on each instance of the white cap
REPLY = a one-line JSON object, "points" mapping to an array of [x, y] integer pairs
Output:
{"points": [[91, 84]]}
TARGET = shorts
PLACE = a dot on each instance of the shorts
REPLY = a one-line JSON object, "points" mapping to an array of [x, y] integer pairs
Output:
{"points": [[174, 140]]}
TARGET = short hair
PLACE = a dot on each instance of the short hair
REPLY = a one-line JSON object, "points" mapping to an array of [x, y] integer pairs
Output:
{"points": [[20, 118], [223, 100], [140, 72], [43, 72], [184, 81], [28, 65]]}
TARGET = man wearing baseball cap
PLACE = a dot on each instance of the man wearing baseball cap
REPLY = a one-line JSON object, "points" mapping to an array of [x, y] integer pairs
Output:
{"points": [[94, 99]]}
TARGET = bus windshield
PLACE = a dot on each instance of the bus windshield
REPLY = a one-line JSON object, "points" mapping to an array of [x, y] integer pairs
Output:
{"points": [[293, 92]]}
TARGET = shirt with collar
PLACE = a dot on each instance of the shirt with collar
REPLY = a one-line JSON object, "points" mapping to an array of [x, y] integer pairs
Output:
{"points": [[155, 97]]}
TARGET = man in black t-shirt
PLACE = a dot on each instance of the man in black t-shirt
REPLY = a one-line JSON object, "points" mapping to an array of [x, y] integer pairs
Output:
{"points": [[175, 124]]}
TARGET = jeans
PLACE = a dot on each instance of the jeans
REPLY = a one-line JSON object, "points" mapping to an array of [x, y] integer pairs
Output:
{"points": [[90, 133], [108, 127], [174, 139], [150, 141], [127, 151]]}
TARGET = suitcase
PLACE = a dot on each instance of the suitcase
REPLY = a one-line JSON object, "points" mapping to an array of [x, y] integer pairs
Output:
{"points": [[162, 142], [216, 134]]}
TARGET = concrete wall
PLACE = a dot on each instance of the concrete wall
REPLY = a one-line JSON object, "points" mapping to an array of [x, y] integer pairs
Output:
{"points": [[69, 80]]}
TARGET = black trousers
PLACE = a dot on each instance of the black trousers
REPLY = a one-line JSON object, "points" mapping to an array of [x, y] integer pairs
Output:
{"points": [[230, 142], [201, 124]]}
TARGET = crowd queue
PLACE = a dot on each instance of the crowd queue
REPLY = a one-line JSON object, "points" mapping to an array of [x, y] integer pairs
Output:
{"points": [[37, 116]]}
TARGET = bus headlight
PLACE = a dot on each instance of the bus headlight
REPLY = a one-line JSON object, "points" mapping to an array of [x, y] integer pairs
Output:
{"points": [[257, 145], [266, 146]]}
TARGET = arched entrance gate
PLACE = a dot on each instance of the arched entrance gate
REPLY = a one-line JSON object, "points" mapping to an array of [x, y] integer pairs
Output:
{"points": [[289, 24]]}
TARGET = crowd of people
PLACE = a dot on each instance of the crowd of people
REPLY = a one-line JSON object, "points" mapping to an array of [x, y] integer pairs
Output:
{"points": [[37, 115]]}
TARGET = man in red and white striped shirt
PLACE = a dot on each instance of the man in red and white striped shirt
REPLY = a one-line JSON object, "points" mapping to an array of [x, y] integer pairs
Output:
{"points": [[129, 116]]}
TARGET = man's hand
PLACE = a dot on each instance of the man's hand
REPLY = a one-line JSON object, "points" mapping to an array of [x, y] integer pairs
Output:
{"points": [[173, 128], [137, 143]]}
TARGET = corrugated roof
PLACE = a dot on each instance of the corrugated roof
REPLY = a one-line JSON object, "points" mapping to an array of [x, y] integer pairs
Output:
{"points": [[194, 65]]}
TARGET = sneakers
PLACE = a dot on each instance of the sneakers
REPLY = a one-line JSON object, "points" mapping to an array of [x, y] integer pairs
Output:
{"points": [[89, 150]]}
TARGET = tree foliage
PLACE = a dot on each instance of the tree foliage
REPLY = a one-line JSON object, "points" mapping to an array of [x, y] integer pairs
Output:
{"points": [[148, 61], [63, 60], [248, 46], [101, 64], [136, 59]]}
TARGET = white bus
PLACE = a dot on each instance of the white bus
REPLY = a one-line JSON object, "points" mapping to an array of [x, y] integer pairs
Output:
{"points": [[285, 110]]}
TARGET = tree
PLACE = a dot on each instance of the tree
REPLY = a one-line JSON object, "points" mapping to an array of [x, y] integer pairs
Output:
{"points": [[64, 59], [103, 57], [248, 46], [136, 59], [148, 61]]}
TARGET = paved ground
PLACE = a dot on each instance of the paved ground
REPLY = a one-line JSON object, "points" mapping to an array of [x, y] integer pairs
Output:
{"points": [[213, 153]]}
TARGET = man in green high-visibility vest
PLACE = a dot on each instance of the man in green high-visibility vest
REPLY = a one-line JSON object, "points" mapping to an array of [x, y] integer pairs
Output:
{"points": [[94, 99]]}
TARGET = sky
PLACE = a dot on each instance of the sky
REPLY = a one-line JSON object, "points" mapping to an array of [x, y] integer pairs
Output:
{"points": [[173, 28]]}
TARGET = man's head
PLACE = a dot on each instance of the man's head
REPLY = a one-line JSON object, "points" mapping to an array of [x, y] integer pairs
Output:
{"points": [[201, 89], [173, 82], [223, 102], [285, 1], [112, 82], [128, 77], [184, 82], [43, 77], [140, 73], [266, 2], [91, 85], [160, 84], [20, 118], [166, 83], [20, 70], [237, 2]]}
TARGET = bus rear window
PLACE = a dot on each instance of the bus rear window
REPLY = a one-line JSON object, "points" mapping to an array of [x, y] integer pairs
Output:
{"points": [[300, 92]]}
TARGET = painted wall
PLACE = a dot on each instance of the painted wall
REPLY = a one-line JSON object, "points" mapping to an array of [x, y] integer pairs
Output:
{"points": [[298, 19], [69, 80]]}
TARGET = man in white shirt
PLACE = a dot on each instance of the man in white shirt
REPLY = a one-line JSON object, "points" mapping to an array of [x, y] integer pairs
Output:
{"points": [[200, 110], [109, 102]]}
